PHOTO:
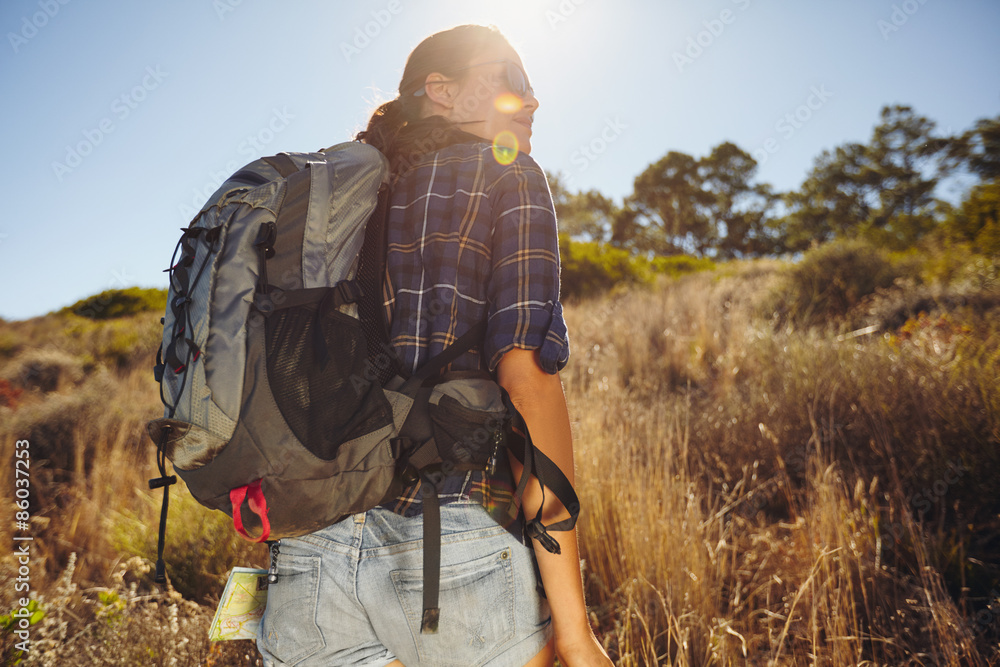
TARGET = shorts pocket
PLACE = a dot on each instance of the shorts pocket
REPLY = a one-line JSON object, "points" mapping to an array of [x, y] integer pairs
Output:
{"points": [[477, 610], [288, 630]]}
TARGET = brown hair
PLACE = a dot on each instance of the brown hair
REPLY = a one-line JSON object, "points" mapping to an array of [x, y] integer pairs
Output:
{"points": [[396, 128]]}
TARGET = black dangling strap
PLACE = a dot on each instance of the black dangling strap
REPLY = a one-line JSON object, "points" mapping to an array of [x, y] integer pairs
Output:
{"points": [[187, 241], [213, 235], [432, 555], [549, 476], [162, 481]]}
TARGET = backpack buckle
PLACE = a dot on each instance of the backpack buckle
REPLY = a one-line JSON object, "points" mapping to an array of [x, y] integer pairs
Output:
{"points": [[348, 291], [538, 532]]}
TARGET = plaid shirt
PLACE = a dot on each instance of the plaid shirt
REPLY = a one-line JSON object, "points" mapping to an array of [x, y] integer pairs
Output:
{"points": [[471, 240]]}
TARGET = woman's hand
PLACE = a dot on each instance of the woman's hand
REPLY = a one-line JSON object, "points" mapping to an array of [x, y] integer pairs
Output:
{"points": [[583, 651]]}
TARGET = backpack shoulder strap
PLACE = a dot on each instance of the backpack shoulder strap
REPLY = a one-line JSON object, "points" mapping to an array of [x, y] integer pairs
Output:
{"points": [[282, 164], [460, 346], [371, 273]]}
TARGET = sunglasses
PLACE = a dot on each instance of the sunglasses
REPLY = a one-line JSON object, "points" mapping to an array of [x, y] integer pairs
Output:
{"points": [[517, 80]]}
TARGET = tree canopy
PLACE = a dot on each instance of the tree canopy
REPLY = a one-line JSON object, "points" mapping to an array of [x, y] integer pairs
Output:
{"points": [[885, 190]]}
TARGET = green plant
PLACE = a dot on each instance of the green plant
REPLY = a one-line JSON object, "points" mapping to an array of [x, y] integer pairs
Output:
{"points": [[831, 280], [119, 303], [11, 625], [589, 268], [675, 266], [10, 342]]}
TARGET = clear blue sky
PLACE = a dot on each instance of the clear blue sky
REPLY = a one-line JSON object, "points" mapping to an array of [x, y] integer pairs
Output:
{"points": [[120, 117]]}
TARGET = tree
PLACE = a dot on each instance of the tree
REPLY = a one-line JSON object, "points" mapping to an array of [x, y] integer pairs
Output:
{"points": [[673, 207], [883, 189], [739, 210], [979, 149], [583, 216], [709, 206], [977, 220]]}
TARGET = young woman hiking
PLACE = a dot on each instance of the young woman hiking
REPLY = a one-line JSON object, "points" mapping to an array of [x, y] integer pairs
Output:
{"points": [[472, 238]]}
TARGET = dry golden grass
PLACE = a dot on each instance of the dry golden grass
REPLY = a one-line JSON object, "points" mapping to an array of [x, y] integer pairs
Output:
{"points": [[754, 494], [732, 518]]}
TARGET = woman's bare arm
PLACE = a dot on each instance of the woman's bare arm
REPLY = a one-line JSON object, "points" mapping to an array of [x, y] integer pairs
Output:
{"points": [[539, 397]]}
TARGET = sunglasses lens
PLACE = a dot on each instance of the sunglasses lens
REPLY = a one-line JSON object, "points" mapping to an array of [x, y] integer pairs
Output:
{"points": [[518, 82]]}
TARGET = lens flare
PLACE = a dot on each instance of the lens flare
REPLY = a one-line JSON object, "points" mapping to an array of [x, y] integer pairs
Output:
{"points": [[499, 494], [508, 103], [505, 147]]}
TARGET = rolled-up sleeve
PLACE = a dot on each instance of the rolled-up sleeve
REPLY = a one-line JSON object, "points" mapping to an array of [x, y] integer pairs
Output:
{"points": [[524, 308]]}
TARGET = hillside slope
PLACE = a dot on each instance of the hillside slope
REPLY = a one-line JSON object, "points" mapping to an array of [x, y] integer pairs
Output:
{"points": [[771, 474]]}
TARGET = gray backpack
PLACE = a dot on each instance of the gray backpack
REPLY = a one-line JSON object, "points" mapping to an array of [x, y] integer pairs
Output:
{"points": [[284, 408]]}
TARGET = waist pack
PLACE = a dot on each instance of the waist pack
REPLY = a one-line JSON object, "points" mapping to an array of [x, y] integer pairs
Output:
{"points": [[283, 405]]}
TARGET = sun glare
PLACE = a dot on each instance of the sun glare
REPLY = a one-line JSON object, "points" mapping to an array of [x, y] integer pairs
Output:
{"points": [[508, 103], [505, 147]]}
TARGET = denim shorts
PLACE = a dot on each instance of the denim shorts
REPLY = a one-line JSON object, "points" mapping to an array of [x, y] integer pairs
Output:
{"points": [[352, 594]]}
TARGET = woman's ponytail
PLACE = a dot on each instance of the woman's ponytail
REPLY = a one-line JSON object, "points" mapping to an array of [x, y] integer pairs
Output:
{"points": [[384, 126]]}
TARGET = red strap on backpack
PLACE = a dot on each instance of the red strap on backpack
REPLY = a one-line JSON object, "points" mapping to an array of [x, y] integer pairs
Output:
{"points": [[258, 505]]}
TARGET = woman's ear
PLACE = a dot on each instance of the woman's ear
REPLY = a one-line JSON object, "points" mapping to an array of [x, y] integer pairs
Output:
{"points": [[440, 90]]}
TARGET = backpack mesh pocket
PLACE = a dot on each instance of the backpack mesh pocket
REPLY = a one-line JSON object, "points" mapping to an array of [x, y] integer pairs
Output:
{"points": [[324, 403]]}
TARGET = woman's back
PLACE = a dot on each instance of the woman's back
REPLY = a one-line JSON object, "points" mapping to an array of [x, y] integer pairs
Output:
{"points": [[471, 240]]}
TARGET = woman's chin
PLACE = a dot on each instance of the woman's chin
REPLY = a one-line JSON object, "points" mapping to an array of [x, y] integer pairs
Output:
{"points": [[523, 135]]}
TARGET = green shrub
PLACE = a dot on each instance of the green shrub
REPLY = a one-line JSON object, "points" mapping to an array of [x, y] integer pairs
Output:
{"points": [[830, 280], [119, 303], [589, 268], [10, 344], [679, 265]]}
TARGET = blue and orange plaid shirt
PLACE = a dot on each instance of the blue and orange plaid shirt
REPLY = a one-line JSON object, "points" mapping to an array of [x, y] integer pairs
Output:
{"points": [[470, 239]]}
